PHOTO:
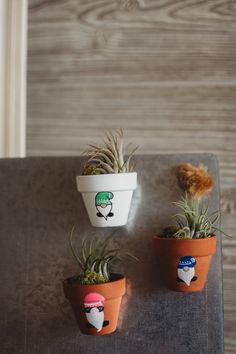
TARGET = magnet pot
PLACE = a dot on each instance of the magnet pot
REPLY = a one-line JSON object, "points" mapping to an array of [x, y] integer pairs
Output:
{"points": [[107, 197], [96, 306], [184, 264]]}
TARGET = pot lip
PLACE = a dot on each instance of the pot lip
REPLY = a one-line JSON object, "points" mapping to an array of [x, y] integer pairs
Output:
{"points": [[121, 278], [166, 239], [105, 175], [109, 181]]}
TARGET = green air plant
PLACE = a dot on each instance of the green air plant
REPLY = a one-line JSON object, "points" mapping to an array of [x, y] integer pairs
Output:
{"points": [[194, 221], [96, 259], [109, 157]]}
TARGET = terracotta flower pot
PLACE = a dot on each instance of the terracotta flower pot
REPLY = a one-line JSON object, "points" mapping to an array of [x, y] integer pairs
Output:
{"points": [[184, 264], [107, 197], [96, 307]]}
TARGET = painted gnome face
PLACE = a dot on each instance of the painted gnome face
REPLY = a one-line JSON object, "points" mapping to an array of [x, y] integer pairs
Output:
{"points": [[94, 310], [103, 203], [186, 269]]}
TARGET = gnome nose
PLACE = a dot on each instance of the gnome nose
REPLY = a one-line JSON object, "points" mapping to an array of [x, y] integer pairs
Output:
{"points": [[94, 310], [103, 205], [186, 269]]}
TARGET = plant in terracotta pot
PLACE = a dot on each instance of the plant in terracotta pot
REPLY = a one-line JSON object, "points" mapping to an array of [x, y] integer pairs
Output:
{"points": [[108, 182], [186, 248], [95, 294]]}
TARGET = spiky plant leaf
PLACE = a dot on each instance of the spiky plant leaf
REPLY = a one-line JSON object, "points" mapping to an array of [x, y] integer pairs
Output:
{"points": [[194, 221], [96, 258], [79, 261], [109, 157]]}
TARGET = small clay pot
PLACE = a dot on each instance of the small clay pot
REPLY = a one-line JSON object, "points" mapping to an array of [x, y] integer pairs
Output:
{"points": [[96, 307], [107, 197], [184, 264]]}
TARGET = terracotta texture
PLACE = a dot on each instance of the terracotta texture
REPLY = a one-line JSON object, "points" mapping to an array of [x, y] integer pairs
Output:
{"points": [[171, 251], [112, 293]]}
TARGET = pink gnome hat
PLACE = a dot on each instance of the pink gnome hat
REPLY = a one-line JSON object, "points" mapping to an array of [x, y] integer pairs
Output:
{"points": [[93, 300]]}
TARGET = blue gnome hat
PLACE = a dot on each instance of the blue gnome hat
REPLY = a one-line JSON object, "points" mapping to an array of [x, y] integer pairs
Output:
{"points": [[186, 261]]}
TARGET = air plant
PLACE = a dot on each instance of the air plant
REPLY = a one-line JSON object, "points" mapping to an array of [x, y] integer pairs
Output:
{"points": [[109, 156], [194, 220], [96, 259]]}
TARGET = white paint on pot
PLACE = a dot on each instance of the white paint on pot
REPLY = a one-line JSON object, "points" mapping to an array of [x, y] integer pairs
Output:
{"points": [[107, 197]]}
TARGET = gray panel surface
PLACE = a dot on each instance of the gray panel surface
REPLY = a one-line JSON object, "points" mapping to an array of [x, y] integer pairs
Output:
{"points": [[39, 205]]}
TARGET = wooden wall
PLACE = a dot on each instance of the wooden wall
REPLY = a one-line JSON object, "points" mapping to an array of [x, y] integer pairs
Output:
{"points": [[163, 70]]}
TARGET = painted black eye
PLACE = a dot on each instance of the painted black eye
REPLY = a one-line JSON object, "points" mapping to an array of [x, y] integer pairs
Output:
{"points": [[88, 309]]}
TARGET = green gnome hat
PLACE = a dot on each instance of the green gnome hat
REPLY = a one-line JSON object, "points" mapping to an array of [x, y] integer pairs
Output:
{"points": [[103, 198]]}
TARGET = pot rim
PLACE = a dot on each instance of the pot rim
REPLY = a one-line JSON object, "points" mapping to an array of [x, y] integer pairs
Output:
{"points": [[195, 247], [110, 181], [121, 278], [169, 239], [107, 174]]}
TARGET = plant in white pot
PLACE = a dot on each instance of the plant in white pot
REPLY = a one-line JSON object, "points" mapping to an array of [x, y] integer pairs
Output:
{"points": [[108, 182]]}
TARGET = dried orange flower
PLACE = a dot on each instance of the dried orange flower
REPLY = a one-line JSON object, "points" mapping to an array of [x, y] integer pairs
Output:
{"points": [[194, 180]]}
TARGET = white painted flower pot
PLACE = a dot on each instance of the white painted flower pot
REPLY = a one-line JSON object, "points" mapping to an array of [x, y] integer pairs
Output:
{"points": [[107, 197]]}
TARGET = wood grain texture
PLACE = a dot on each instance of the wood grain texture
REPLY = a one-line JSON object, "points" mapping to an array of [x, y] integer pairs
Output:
{"points": [[163, 70]]}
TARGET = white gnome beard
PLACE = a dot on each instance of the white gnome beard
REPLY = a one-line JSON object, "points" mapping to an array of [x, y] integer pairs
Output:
{"points": [[186, 276], [95, 318], [104, 211]]}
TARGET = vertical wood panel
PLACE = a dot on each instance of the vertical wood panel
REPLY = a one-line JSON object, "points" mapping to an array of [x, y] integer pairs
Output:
{"points": [[13, 50], [163, 70]]}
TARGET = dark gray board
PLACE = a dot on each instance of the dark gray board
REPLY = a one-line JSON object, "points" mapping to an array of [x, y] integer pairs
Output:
{"points": [[38, 206]]}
